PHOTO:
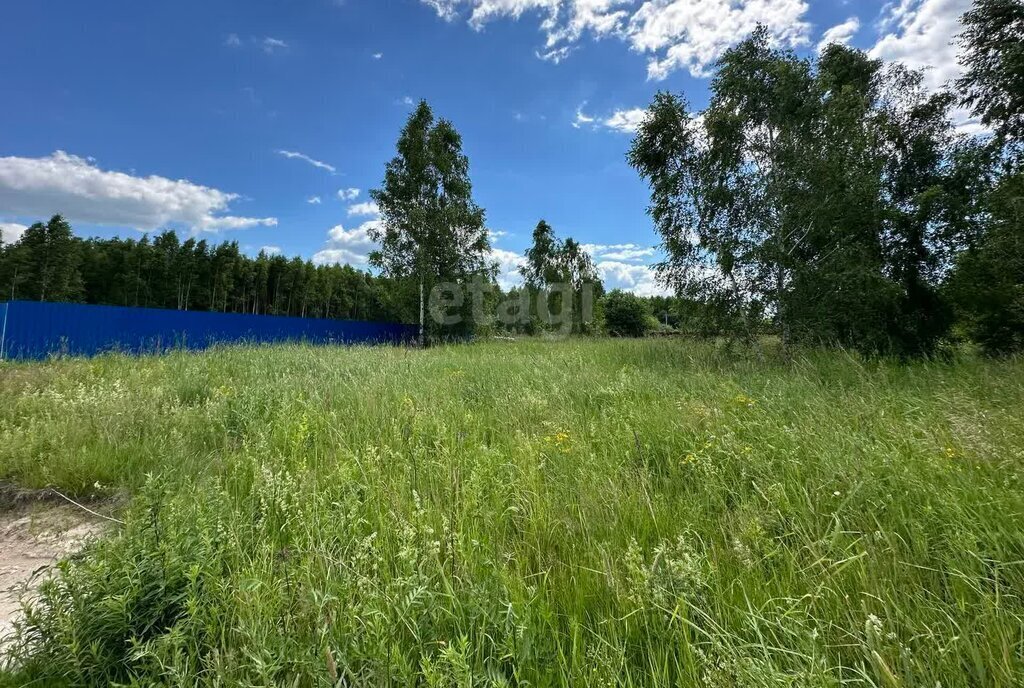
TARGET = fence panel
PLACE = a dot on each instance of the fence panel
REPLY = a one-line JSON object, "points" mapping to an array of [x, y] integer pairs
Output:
{"points": [[33, 330]]}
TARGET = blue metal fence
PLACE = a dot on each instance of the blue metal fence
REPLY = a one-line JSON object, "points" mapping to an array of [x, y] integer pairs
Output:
{"points": [[33, 330]]}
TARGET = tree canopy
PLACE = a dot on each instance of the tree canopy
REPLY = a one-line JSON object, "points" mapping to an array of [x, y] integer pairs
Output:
{"points": [[825, 194], [431, 229]]}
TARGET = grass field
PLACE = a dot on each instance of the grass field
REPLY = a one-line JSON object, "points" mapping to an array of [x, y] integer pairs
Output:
{"points": [[581, 513]]}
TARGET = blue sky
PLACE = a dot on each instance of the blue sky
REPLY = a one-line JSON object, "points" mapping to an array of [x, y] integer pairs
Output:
{"points": [[266, 122]]}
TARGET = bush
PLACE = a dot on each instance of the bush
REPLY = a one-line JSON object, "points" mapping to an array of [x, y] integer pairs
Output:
{"points": [[626, 315]]}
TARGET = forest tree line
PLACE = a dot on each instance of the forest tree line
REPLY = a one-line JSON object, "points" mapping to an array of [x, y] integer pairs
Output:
{"points": [[50, 263]]}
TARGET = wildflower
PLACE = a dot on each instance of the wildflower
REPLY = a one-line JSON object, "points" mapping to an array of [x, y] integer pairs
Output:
{"points": [[744, 400], [873, 627], [559, 441], [950, 453]]}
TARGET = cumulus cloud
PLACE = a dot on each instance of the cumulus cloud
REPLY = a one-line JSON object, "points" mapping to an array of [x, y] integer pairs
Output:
{"points": [[314, 200], [271, 250], [840, 33], [351, 246], [348, 194], [623, 121], [233, 41], [673, 34], [11, 232], [920, 34], [693, 34], [292, 155], [508, 263], [77, 188], [619, 265], [625, 266], [639, 279], [368, 208]]}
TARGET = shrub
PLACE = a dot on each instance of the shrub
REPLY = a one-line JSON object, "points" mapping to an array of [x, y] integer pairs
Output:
{"points": [[625, 315]]}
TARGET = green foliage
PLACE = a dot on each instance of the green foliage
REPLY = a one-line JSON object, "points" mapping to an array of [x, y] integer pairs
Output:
{"points": [[822, 193], [50, 264], [992, 51], [431, 230], [577, 513], [554, 270], [625, 314], [540, 268], [987, 284], [46, 264]]}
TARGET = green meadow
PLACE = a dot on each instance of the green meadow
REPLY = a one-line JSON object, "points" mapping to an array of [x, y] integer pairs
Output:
{"points": [[565, 513]]}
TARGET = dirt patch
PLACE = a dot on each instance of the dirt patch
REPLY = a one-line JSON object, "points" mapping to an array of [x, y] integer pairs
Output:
{"points": [[33, 537]]}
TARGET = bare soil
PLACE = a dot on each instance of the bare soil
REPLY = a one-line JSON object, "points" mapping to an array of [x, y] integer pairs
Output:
{"points": [[33, 537]]}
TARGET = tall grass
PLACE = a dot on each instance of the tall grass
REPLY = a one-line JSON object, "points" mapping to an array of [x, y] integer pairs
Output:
{"points": [[583, 513]]}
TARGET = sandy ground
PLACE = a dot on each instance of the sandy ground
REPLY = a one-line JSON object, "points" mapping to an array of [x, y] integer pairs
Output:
{"points": [[32, 539]]}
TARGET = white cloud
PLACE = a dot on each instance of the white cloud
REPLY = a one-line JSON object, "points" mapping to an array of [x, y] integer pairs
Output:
{"points": [[366, 208], [626, 121], [639, 279], [268, 44], [921, 35], [348, 194], [272, 45], [840, 33], [82, 192], [378, 56], [555, 55], [674, 34], [271, 250], [11, 232], [581, 117], [612, 262], [314, 200], [292, 155], [692, 34], [216, 224], [619, 252], [624, 266], [509, 263], [350, 246]]}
